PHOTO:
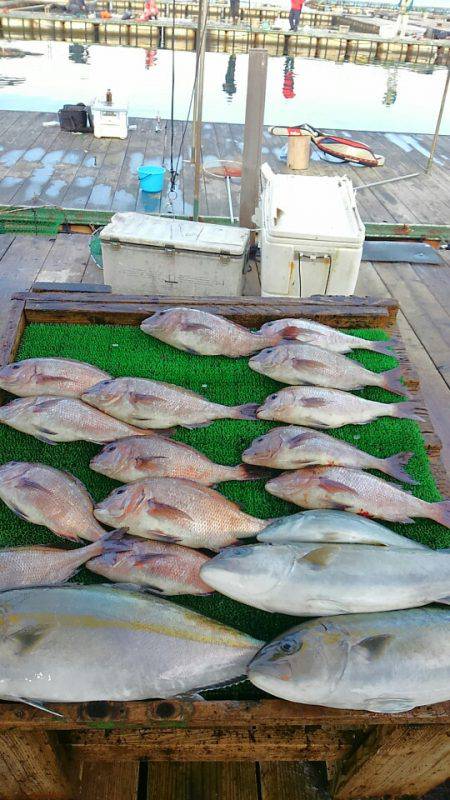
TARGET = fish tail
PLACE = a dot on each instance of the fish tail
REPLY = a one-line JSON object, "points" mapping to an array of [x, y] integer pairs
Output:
{"points": [[405, 411], [247, 472], [111, 541], [440, 512], [246, 411], [381, 347], [392, 381], [394, 466]]}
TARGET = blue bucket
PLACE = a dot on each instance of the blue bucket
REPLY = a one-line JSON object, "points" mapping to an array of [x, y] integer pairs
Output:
{"points": [[151, 178]]}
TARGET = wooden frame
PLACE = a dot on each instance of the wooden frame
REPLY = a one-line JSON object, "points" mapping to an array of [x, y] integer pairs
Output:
{"points": [[367, 754]]}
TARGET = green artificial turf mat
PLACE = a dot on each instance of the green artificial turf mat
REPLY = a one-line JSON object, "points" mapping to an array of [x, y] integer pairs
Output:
{"points": [[123, 350]]}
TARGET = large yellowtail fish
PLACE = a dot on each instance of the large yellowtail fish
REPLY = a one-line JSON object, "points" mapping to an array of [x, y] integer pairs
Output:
{"points": [[387, 662], [46, 496], [76, 644]]}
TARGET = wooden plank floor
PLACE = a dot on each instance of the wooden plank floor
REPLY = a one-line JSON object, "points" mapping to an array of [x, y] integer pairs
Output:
{"points": [[43, 165]]}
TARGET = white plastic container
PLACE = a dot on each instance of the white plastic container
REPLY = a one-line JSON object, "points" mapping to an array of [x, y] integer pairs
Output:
{"points": [[166, 256], [110, 120], [311, 235]]}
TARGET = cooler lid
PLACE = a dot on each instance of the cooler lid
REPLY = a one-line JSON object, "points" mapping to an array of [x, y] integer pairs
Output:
{"points": [[182, 234], [312, 207]]}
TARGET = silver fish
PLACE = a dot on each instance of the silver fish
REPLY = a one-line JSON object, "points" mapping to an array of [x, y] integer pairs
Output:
{"points": [[41, 565], [76, 644], [139, 457], [355, 491], [64, 419], [60, 377], [177, 511], [324, 525], [205, 334], [154, 404], [294, 447], [387, 662], [318, 407], [166, 569], [46, 496], [303, 363], [314, 579], [309, 332]]}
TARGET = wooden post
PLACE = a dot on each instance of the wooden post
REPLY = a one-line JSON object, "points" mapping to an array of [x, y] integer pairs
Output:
{"points": [[253, 131], [438, 123], [200, 45], [395, 760], [33, 766]]}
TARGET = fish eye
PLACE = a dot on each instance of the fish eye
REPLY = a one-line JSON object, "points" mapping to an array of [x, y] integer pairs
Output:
{"points": [[105, 383], [120, 491], [269, 350], [288, 646], [15, 366], [110, 448], [273, 397], [259, 439]]}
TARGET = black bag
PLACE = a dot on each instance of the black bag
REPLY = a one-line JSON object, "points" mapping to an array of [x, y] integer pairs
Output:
{"points": [[76, 118]]}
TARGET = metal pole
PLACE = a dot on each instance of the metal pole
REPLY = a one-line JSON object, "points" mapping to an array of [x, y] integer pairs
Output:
{"points": [[438, 123], [253, 131], [200, 45]]}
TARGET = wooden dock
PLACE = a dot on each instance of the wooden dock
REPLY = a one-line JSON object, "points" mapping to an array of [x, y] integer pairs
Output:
{"points": [[46, 166]]}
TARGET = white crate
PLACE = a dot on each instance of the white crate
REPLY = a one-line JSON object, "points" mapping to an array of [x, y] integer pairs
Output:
{"points": [[311, 235], [167, 256], [110, 120]]}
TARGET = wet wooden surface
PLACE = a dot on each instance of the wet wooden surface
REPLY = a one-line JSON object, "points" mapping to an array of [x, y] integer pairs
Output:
{"points": [[43, 165]]}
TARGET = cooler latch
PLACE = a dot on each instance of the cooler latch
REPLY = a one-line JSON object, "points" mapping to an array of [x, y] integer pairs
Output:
{"points": [[224, 256], [169, 249]]}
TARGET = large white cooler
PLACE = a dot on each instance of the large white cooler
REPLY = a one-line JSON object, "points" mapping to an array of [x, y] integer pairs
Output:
{"points": [[163, 255], [311, 235]]}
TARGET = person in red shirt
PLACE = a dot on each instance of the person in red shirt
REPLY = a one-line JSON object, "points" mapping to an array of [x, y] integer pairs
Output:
{"points": [[294, 14]]}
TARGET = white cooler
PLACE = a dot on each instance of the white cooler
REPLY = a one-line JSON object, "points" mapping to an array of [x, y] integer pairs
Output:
{"points": [[162, 255], [311, 235]]}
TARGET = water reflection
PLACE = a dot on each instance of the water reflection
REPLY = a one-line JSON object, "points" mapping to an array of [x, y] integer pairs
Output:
{"points": [[7, 81], [151, 58], [288, 78], [79, 53], [390, 95], [13, 52], [230, 86]]}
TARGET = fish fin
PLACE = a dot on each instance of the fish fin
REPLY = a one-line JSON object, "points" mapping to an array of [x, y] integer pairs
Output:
{"points": [[194, 696], [306, 363], [390, 705], [245, 411], [334, 486], [404, 520], [445, 601], [147, 399], [194, 326], [292, 332], [194, 425], [319, 558], [18, 512], [28, 637], [374, 646], [392, 381], [167, 511], [124, 587], [440, 512], [33, 703], [40, 378], [44, 405], [169, 538], [247, 472], [147, 463], [114, 541], [405, 411], [312, 402], [28, 483], [301, 437], [44, 439], [394, 466], [381, 347]]}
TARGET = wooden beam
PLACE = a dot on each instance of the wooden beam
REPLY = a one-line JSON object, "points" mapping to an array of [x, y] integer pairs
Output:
{"points": [[292, 780], [395, 760], [33, 766], [235, 780], [108, 781], [273, 743], [253, 133]]}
